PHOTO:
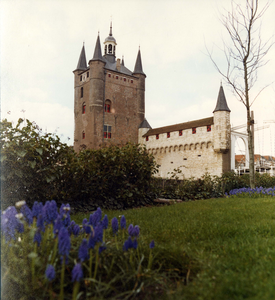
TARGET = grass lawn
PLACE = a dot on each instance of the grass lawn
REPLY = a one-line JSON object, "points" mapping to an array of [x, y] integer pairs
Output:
{"points": [[225, 247]]}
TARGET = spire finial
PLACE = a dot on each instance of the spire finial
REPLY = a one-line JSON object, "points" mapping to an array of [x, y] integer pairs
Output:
{"points": [[111, 29], [221, 82]]}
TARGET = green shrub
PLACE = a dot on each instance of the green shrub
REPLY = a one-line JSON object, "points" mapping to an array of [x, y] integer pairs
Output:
{"points": [[36, 167]]}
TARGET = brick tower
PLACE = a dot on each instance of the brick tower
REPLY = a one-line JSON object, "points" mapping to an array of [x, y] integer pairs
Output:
{"points": [[109, 99]]}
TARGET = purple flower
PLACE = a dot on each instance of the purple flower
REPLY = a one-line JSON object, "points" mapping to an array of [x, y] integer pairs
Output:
{"points": [[87, 229], [95, 217], [152, 244], [84, 222], [114, 225], [135, 244], [64, 242], [77, 273], [40, 223], [75, 229], [98, 233], [92, 241], [65, 214], [37, 237], [37, 209], [123, 222], [131, 229], [105, 222], [102, 248], [83, 250], [49, 212], [27, 213], [58, 224], [128, 244], [50, 273], [10, 223], [136, 231]]}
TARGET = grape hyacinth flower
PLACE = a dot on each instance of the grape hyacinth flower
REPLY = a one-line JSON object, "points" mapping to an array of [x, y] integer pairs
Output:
{"points": [[152, 244], [37, 209], [75, 229], [9, 223], [49, 212], [133, 231], [58, 224], [105, 222], [27, 213], [40, 223], [114, 225], [77, 273], [83, 251], [64, 242], [50, 273], [37, 237], [128, 244], [123, 222]]}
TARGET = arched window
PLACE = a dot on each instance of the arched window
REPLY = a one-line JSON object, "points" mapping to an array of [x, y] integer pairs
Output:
{"points": [[83, 108], [110, 49], [81, 92], [107, 107]]}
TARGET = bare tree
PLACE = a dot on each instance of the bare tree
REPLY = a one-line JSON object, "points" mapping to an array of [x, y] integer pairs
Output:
{"points": [[244, 55]]}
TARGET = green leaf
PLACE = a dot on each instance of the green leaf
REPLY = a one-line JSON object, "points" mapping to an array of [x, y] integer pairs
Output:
{"points": [[21, 152], [39, 150], [32, 164]]}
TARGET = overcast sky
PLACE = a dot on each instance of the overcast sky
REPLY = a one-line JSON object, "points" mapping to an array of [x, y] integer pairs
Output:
{"points": [[41, 43]]}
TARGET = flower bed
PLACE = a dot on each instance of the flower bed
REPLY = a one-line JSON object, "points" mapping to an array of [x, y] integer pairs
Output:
{"points": [[257, 192], [48, 256]]}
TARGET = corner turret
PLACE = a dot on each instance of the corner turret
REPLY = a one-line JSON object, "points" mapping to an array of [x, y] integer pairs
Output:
{"points": [[221, 124]]}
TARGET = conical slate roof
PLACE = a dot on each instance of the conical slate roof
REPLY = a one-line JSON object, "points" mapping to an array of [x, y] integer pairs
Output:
{"points": [[82, 63], [221, 102], [97, 53], [145, 124], [138, 65]]}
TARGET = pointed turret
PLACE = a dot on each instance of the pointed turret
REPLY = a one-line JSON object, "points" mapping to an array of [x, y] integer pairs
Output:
{"points": [[145, 124], [82, 63], [138, 65], [221, 102], [97, 52]]}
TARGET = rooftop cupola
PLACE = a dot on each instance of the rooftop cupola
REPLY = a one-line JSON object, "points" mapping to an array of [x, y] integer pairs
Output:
{"points": [[110, 47]]}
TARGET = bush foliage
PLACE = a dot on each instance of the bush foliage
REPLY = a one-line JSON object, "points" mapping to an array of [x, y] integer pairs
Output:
{"points": [[37, 167]]}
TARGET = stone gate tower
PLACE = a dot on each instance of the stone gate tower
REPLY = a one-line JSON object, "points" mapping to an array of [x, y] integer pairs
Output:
{"points": [[109, 99]]}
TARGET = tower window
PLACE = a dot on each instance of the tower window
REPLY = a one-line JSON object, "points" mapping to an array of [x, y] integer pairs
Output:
{"points": [[116, 77], [80, 77], [81, 92], [157, 136], [105, 50], [83, 108], [168, 134], [208, 128], [109, 49], [180, 132], [124, 79], [132, 80], [83, 135], [87, 74], [107, 132], [107, 107], [109, 75], [147, 138], [194, 130]]}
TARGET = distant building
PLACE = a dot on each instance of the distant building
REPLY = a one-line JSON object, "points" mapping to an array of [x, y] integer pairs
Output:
{"points": [[109, 107], [108, 98]]}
